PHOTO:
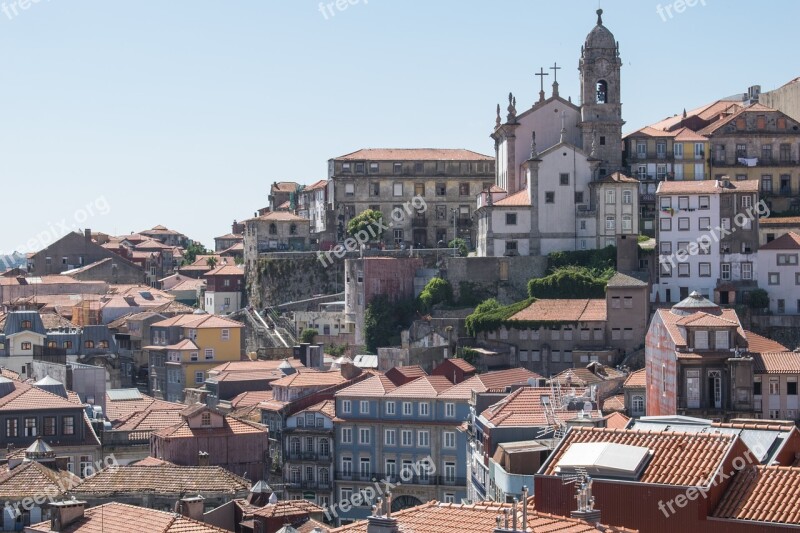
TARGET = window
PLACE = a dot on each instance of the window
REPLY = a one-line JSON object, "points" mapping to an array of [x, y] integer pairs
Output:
{"points": [[627, 223], [375, 188], [721, 340], [797, 278], [665, 224], [661, 171], [781, 306], [347, 435], [397, 168], [30, 427], [86, 467], [390, 408], [423, 409], [449, 472], [406, 437], [787, 259], [363, 407], [725, 271], [198, 378], [209, 353], [786, 153], [363, 436], [397, 189], [661, 149], [766, 153], [616, 334], [12, 427], [611, 223], [638, 404], [766, 183], [774, 278], [419, 189], [68, 425], [346, 406], [666, 202], [628, 302], [683, 270], [774, 387], [463, 189], [193, 356], [347, 466], [791, 388], [549, 197], [391, 468], [683, 203], [666, 247], [373, 167], [610, 196], [389, 438], [67, 345], [683, 224], [579, 197], [511, 219], [741, 150], [49, 426], [747, 201], [705, 270], [747, 270], [563, 178], [441, 189], [450, 410], [406, 408], [511, 246], [205, 419], [26, 346], [627, 196], [450, 437], [423, 438]]}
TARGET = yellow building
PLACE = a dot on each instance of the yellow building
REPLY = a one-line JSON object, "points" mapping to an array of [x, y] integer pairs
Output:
{"points": [[185, 347]]}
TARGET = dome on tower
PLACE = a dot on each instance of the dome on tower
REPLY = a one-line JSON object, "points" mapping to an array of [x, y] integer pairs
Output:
{"points": [[600, 36]]}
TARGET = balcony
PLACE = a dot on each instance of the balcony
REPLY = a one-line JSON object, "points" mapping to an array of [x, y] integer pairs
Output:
{"points": [[647, 197], [760, 162], [309, 484], [309, 456], [585, 211]]}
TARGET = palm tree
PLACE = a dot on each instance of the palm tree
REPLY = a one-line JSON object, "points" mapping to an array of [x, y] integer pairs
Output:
{"points": [[211, 262]]}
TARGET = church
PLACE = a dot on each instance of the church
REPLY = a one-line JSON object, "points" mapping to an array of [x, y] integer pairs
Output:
{"points": [[559, 184]]}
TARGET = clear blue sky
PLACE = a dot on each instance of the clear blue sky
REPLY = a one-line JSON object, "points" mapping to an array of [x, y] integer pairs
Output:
{"points": [[183, 112]]}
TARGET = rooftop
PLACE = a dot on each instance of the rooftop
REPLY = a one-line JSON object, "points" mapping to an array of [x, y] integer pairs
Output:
{"points": [[636, 379], [763, 494], [787, 241], [162, 479], [415, 154], [582, 310]]}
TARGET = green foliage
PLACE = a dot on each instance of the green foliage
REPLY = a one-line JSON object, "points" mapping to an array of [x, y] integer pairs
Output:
{"points": [[490, 316], [596, 260], [461, 244], [383, 321], [758, 299], [570, 282], [370, 221], [192, 251], [238, 260], [469, 295], [437, 291], [211, 262], [469, 355], [336, 350], [308, 334], [643, 238]]}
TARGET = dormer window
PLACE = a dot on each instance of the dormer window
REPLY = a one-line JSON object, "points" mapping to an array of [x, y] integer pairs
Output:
{"points": [[205, 419], [701, 340], [26, 324], [721, 340]]}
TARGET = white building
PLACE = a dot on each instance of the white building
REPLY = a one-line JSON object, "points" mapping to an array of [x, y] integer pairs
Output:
{"points": [[779, 275]]}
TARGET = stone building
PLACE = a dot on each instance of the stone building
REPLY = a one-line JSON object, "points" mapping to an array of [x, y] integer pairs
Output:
{"points": [[273, 232], [387, 180]]}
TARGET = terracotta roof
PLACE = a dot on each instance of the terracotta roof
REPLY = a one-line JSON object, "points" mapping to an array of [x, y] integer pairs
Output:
{"points": [[705, 187], [715, 126], [119, 410], [787, 241], [120, 518], [326, 407], [415, 154], [705, 320], [284, 186], [697, 318], [247, 366], [591, 374], [423, 387], [31, 478], [9, 374], [149, 420], [199, 322], [403, 374], [758, 344], [230, 236], [518, 199], [231, 427], [687, 135], [162, 479], [315, 186], [616, 420], [778, 221], [524, 408], [617, 177], [636, 379], [776, 363], [678, 458], [150, 461], [563, 311], [226, 270], [763, 494], [251, 398], [436, 517], [614, 403], [52, 321], [185, 344], [26, 397], [625, 280], [497, 380], [310, 379], [462, 364], [310, 525], [650, 131], [288, 508], [371, 387], [279, 216], [255, 375]]}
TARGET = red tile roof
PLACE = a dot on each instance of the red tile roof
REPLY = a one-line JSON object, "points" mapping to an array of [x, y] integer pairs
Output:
{"points": [[423, 387], [284, 186], [199, 322], [787, 241], [26, 397], [462, 364], [231, 427], [518, 199], [315, 186], [288, 508], [779, 221], [149, 420], [162, 479], [279, 216], [524, 408], [563, 311], [247, 366], [371, 387], [249, 398], [310, 379], [776, 363], [415, 154], [617, 177], [614, 403], [678, 458], [326, 407], [763, 494], [705, 187], [758, 344], [225, 270], [616, 420], [119, 410], [698, 318], [497, 380], [636, 379], [31, 478], [121, 518]]}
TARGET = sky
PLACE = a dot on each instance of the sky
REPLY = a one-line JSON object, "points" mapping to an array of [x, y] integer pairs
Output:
{"points": [[118, 116]]}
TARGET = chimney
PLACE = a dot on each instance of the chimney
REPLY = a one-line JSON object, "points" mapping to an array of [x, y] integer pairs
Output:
{"points": [[63, 514], [586, 510], [381, 520], [203, 459], [88, 234], [191, 507]]}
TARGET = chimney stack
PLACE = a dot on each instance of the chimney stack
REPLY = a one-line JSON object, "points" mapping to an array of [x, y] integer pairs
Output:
{"points": [[63, 514], [203, 459], [191, 507], [381, 520], [586, 510], [88, 234]]}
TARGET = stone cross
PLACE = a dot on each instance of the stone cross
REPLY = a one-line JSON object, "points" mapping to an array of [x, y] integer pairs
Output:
{"points": [[555, 68]]}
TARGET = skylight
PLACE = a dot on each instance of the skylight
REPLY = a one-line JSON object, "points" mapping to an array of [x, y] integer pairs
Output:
{"points": [[604, 459]]}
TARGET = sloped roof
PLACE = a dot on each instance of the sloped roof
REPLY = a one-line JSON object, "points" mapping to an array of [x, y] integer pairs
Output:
{"points": [[616, 420], [758, 344], [787, 241], [162, 479], [636, 379], [625, 280], [524, 408], [776, 363], [33, 478], [422, 387], [518, 199], [575, 310], [759, 493], [378, 385], [415, 154]]}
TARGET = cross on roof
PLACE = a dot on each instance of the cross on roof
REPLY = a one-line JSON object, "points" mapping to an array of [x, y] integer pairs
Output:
{"points": [[541, 75], [555, 68]]}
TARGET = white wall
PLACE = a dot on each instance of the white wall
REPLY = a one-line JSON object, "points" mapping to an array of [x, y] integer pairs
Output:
{"points": [[558, 219], [787, 290]]}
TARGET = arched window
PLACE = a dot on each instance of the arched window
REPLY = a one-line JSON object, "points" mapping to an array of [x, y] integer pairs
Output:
{"points": [[638, 404], [602, 92], [324, 476], [273, 229], [88, 344]]}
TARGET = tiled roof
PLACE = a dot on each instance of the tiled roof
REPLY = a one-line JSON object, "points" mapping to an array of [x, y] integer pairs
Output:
{"points": [[284, 186], [120, 518], [150, 461], [776, 363], [563, 311], [617, 177], [497, 380], [311, 525], [415, 154], [226, 270], [288, 508], [26, 397], [231, 427], [687, 135], [614, 403], [9, 374], [678, 458], [375, 386], [423, 387], [592, 374], [31, 478], [119, 410], [436, 517], [636, 379], [199, 322], [650, 132], [625, 280], [247, 366], [162, 479], [763, 494], [315, 186], [671, 320], [754, 108], [705, 187], [149, 420], [518, 199], [787, 241], [251, 398], [779, 221], [52, 321], [616, 420], [279, 216], [326, 407], [310, 379], [705, 320], [758, 344], [524, 408], [256, 375], [462, 364], [185, 344]]}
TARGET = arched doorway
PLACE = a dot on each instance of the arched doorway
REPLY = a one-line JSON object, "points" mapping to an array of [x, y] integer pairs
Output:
{"points": [[404, 502]]}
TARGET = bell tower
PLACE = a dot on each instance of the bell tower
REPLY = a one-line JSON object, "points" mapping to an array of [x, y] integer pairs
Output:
{"points": [[601, 108]]}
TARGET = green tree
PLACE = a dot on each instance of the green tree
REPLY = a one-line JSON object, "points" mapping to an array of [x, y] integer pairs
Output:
{"points": [[569, 282], [370, 221], [437, 291], [758, 299], [211, 262], [192, 251], [384, 319], [308, 334], [336, 350], [461, 244]]}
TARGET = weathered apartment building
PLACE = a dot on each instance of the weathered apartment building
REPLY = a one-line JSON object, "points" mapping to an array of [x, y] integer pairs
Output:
{"points": [[386, 180]]}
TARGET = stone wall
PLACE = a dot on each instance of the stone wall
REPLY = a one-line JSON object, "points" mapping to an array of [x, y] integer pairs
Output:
{"points": [[504, 278]]}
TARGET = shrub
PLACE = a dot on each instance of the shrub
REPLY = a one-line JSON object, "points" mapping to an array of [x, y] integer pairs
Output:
{"points": [[461, 244], [570, 282], [437, 291], [307, 335]]}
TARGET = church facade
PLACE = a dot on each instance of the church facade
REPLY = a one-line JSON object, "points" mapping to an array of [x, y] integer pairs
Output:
{"points": [[556, 162]]}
